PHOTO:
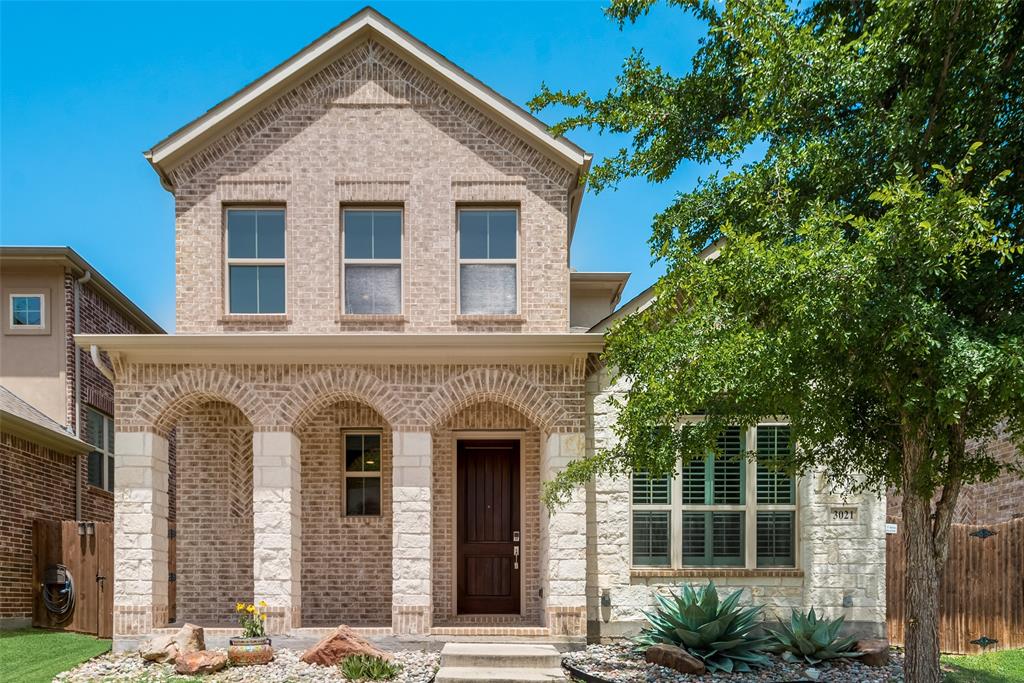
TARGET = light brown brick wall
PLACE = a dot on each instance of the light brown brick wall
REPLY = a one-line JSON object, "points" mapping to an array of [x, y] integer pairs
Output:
{"points": [[214, 516], [371, 128], [346, 561], [485, 416]]}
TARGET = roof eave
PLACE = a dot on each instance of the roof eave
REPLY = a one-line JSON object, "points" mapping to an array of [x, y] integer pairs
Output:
{"points": [[31, 431]]}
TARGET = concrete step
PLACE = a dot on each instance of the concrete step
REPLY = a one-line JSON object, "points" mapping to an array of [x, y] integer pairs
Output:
{"points": [[469, 674], [500, 656]]}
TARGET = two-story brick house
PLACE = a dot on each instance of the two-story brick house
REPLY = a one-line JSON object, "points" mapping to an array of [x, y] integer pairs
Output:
{"points": [[56, 408], [382, 354]]}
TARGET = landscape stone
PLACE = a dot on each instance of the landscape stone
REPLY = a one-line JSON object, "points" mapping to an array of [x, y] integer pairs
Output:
{"points": [[674, 657], [338, 645]]}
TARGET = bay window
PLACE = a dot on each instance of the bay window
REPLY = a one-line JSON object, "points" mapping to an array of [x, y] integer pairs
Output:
{"points": [[720, 509]]}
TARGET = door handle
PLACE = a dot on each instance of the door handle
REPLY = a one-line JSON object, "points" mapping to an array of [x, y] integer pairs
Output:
{"points": [[515, 550]]}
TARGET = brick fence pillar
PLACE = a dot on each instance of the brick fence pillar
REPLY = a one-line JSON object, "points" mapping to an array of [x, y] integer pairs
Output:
{"points": [[277, 528], [563, 544], [140, 533], [411, 534]]}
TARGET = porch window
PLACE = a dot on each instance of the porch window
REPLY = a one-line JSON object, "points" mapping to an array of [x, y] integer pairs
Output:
{"points": [[362, 474], [256, 261], [488, 261], [372, 261], [99, 431], [722, 509]]}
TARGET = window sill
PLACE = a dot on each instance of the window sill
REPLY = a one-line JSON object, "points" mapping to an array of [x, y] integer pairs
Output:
{"points": [[369, 318], [99, 489], [255, 318], [713, 573], [489, 318]]}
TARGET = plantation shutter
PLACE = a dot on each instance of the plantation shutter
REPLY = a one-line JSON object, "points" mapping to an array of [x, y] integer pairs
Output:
{"points": [[711, 538], [651, 538], [648, 490], [776, 530]]}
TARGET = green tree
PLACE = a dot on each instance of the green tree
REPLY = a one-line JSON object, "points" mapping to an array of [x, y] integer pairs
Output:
{"points": [[869, 283]]}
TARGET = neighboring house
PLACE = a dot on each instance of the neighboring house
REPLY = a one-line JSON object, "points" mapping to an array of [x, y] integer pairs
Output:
{"points": [[383, 354], [56, 408], [991, 502]]}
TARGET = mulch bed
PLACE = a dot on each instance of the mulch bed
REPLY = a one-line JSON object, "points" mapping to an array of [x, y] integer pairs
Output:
{"points": [[621, 664]]}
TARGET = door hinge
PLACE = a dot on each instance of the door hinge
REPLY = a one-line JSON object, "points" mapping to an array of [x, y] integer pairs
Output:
{"points": [[172, 577]]}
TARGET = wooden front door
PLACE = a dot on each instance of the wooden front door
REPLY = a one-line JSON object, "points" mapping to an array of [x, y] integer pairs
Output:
{"points": [[487, 548]]}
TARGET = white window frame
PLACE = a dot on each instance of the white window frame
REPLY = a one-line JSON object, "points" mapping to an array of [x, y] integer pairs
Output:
{"points": [[108, 456], [345, 474], [750, 508], [228, 261], [345, 261], [487, 261], [27, 295]]}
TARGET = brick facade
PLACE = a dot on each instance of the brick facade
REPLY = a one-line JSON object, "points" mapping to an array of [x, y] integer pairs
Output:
{"points": [[371, 128], [991, 502]]}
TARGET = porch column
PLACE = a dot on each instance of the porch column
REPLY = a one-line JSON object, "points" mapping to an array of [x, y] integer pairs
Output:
{"points": [[411, 585], [564, 543], [140, 533], [277, 528]]}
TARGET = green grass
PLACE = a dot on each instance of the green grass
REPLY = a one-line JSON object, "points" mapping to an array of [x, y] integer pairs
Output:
{"points": [[36, 656], [1006, 666]]}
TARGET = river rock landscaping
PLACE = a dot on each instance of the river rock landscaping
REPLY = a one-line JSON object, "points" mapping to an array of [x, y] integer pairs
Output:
{"points": [[286, 667], [624, 664]]}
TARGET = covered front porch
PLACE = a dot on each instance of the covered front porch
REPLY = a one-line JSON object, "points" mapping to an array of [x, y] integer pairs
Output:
{"points": [[401, 499]]}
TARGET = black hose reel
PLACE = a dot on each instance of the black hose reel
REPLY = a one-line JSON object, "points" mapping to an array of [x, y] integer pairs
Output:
{"points": [[58, 591]]}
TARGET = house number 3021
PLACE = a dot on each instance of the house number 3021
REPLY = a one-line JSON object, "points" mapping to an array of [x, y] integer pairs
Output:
{"points": [[844, 515]]}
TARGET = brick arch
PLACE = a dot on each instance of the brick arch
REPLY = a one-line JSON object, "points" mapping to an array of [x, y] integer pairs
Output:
{"points": [[339, 384], [168, 401], [493, 384]]}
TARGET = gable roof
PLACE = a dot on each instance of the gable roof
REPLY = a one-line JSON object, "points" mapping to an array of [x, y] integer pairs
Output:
{"points": [[366, 22], [21, 418]]}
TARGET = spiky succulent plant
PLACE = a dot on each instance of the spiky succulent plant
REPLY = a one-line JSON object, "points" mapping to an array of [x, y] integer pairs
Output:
{"points": [[717, 633], [806, 638]]}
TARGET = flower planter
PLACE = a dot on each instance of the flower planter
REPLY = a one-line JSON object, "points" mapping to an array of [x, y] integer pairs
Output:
{"points": [[250, 651]]}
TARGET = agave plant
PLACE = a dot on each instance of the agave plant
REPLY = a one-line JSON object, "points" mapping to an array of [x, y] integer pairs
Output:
{"points": [[809, 639], [368, 668], [717, 633]]}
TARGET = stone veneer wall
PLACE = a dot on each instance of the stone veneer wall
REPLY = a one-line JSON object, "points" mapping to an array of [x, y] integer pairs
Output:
{"points": [[215, 514], [346, 561], [841, 568], [484, 416], [371, 128]]}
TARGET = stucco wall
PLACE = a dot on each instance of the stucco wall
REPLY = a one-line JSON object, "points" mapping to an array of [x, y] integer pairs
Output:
{"points": [[840, 567], [371, 128]]}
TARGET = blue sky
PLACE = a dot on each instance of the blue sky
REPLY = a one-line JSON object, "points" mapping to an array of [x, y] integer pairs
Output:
{"points": [[86, 87]]}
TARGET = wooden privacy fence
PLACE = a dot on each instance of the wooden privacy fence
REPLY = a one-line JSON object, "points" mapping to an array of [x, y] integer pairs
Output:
{"points": [[982, 591], [87, 550]]}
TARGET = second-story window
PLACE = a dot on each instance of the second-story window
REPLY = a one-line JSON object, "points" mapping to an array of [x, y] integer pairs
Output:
{"points": [[99, 431], [372, 261], [488, 261], [256, 262]]}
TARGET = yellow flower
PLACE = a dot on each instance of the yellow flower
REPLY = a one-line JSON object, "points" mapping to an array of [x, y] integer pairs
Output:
{"points": [[239, 607], [250, 608], [263, 617], [262, 603]]}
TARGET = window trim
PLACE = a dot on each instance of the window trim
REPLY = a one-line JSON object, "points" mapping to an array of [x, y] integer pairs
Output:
{"points": [[43, 327], [345, 474], [108, 456], [228, 261], [459, 261], [400, 261], [750, 508]]}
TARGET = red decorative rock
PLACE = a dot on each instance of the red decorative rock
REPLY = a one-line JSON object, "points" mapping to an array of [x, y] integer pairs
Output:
{"points": [[674, 657], [338, 645], [876, 651], [161, 649], [201, 662]]}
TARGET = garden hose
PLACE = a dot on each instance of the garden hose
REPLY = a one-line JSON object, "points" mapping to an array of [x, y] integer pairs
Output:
{"points": [[60, 599]]}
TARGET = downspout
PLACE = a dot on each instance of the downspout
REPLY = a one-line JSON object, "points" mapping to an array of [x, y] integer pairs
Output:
{"points": [[78, 388], [94, 352]]}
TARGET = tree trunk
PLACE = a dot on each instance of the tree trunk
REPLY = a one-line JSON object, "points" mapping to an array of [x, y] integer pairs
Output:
{"points": [[924, 565], [921, 635]]}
